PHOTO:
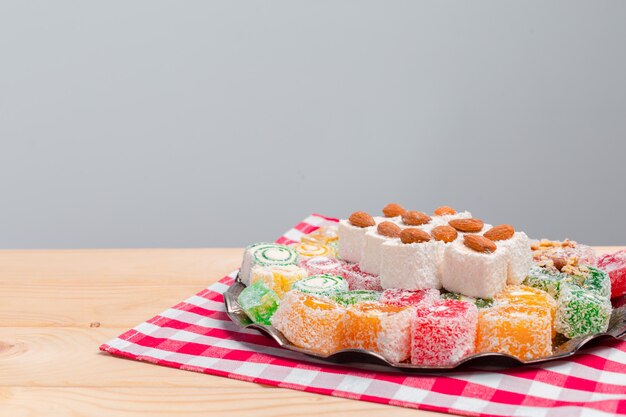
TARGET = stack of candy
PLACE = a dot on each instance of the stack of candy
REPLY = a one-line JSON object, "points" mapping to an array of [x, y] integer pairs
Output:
{"points": [[615, 265], [429, 289]]}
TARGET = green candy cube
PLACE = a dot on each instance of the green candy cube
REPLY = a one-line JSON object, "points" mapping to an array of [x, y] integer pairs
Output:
{"points": [[581, 311], [259, 302], [598, 281], [357, 296], [546, 280]]}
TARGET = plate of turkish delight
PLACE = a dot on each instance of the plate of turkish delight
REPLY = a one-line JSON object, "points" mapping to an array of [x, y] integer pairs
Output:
{"points": [[418, 291]]}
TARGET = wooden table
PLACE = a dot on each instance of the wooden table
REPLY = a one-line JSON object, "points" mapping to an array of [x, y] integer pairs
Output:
{"points": [[57, 307]]}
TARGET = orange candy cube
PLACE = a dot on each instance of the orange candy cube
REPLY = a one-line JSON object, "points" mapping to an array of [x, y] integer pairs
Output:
{"points": [[523, 331], [528, 296], [381, 328], [310, 322]]}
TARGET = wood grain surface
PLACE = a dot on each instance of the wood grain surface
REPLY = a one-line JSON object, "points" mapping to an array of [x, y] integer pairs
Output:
{"points": [[57, 307]]}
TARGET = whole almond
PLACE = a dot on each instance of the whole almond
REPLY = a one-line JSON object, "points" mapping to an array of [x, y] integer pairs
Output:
{"points": [[500, 232], [413, 235], [389, 229], [559, 263], [415, 218], [444, 210], [467, 225], [444, 233], [393, 210], [361, 219], [479, 243]]}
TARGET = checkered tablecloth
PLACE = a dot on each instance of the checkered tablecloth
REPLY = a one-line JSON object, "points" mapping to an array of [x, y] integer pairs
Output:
{"points": [[197, 335]]}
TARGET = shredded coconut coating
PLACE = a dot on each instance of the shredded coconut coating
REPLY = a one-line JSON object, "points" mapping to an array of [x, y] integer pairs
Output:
{"points": [[581, 312], [523, 331], [351, 241], [615, 265], [598, 281], [412, 266], [474, 274], [520, 258], [310, 322], [359, 280], [409, 298], [373, 252], [381, 328], [443, 333], [525, 296]]}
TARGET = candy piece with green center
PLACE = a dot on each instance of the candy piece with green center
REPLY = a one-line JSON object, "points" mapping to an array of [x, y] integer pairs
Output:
{"points": [[478, 302], [325, 285], [598, 281], [581, 311], [259, 302], [265, 254], [357, 296], [547, 280]]}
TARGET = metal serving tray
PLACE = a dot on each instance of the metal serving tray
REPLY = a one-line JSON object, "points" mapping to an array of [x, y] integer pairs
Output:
{"points": [[617, 330]]}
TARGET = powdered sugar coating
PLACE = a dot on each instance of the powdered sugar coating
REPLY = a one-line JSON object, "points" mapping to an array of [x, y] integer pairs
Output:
{"points": [[523, 331], [520, 257], [409, 298], [412, 266], [443, 333], [615, 265], [472, 273]]}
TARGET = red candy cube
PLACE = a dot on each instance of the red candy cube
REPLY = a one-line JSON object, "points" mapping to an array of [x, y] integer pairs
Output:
{"points": [[615, 265], [443, 333], [359, 280], [408, 298]]}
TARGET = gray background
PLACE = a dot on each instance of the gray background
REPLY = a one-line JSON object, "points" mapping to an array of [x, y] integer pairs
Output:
{"points": [[180, 124]]}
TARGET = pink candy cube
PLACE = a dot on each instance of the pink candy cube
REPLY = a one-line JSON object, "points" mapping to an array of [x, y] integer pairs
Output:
{"points": [[443, 333], [359, 280], [615, 265], [408, 298]]}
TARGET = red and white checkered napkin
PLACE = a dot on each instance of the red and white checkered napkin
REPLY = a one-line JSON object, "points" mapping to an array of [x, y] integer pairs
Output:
{"points": [[197, 335]]}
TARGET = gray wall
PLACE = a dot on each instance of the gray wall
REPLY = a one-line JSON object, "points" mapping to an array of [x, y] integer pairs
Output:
{"points": [[180, 124]]}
